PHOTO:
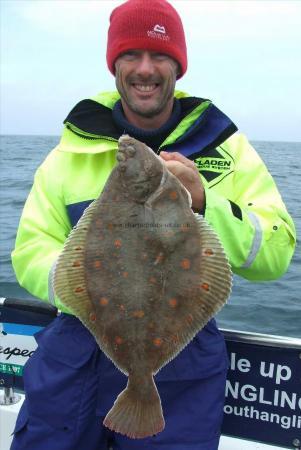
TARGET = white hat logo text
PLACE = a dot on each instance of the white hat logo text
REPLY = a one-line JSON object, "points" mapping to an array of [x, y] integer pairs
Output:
{"points": [[158, 32]]}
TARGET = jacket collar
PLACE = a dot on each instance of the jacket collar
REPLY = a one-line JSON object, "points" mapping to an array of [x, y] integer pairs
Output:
{"points": [[202, 125]]}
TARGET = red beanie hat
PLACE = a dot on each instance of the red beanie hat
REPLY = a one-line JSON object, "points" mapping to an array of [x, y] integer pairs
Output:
{"points": [[147, 25]]}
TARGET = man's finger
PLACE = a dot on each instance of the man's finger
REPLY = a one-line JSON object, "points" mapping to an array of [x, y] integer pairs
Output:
{"points": [[175, 167], [175, 156], [184, 173]]}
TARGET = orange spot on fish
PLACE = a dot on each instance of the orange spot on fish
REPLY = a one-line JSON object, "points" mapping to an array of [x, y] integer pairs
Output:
{"points": [[76, 264], [139, 313], [92, 317], [97, 264], [118, 340], [185, 264], [125, 274], [157, 342], [103, 301], [117, 243], [110, 226], [152, 280], [159, 258], [104, 338], [205, 286], [78, 289], [173, 195], [189, 319], [208, 252], [173, 302]]}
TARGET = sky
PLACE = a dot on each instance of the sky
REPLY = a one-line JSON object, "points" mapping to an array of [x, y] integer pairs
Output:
{"points": [[244, 55]]}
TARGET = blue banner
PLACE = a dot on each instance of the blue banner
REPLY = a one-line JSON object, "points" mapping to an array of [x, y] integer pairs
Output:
{"points": [[263, 393]]}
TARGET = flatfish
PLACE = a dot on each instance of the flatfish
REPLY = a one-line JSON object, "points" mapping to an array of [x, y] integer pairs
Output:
{"points": [[144, 274]]}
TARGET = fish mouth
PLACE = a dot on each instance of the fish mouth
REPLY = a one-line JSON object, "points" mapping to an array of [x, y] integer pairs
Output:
{"points": [[138, 182], [141, 185]]}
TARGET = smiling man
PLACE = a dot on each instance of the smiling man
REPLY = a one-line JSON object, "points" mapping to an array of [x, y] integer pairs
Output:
{"points": [[70, 384], [145, 81]]}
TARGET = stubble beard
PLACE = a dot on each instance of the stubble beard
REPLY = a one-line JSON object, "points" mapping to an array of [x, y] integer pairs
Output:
{"points": [[146, 113], [152, 110]]}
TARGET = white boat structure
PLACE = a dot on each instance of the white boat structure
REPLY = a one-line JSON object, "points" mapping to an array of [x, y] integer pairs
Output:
{"points": [[263, 392]]}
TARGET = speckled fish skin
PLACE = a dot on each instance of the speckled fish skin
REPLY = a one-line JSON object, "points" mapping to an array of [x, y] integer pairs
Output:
{"points": [[144, 275]]}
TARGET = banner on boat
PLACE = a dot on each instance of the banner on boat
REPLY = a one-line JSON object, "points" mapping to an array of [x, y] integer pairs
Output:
{"points": [[263, 395], [17, 344]]}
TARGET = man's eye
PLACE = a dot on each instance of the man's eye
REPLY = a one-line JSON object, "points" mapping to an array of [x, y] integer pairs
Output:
{"points": [[129, 56], [160, 56]]}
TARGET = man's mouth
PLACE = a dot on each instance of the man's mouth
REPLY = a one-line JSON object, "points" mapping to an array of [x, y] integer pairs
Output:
{"points": [[145, 87]]}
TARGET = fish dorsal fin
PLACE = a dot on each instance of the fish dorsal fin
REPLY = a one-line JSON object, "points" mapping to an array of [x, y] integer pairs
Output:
{"points": [[69, 274]]}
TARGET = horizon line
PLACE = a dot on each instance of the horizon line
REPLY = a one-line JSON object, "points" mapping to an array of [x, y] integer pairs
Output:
{"points": [[58, 136]]}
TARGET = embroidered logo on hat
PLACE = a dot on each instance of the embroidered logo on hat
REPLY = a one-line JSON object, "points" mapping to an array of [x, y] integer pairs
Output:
{"points": [[158, 32], [159, 29]]}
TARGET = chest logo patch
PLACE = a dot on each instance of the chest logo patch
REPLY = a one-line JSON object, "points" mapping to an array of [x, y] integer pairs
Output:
{"points": [[214, 165]]}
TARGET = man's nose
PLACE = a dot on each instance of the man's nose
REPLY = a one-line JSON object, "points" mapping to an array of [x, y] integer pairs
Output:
{"points": [[146, 65]]}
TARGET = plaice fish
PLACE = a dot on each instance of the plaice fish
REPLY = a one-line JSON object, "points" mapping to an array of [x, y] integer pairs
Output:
{"points": [[144, 274]]}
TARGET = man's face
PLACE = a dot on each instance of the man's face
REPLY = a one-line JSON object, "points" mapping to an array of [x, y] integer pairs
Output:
{"points": [[146, 82]]}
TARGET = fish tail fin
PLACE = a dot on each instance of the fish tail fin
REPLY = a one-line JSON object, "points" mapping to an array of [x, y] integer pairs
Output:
{"points": [[137, 411]]}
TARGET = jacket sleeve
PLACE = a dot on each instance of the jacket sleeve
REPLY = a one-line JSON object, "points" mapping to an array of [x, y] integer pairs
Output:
{"points": [[43, 229], [254, 226]]}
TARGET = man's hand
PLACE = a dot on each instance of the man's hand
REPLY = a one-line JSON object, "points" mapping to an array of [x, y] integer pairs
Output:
{"points": [[187, 172]]}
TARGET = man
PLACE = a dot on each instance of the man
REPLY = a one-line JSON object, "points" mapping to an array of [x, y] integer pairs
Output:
{"points": [[70, 384]]}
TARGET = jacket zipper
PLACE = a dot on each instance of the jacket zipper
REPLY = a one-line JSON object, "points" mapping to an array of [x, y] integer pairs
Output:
{"points": [[88, 136]]}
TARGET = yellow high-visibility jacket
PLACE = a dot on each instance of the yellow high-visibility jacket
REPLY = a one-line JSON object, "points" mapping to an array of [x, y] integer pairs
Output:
{"points": [[243, 204]]}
